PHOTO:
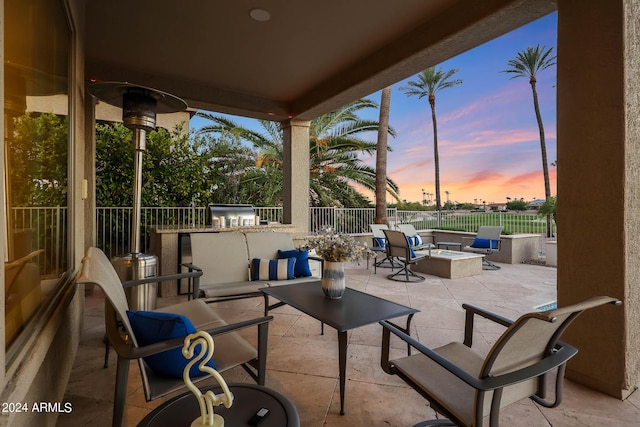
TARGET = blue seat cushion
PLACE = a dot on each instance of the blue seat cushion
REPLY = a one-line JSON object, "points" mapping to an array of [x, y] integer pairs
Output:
{"points": [[273, 269], [151, 327], [301, 268], [480, 243], [378, 242]]}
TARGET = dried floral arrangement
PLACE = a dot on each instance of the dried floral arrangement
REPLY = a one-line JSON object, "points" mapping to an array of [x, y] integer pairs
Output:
{"points": [[335, 247]]}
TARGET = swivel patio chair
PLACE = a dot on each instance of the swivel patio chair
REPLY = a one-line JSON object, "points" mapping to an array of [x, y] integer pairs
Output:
{"points": [[467, 388], [415, 239], [380, 246], [486, 242], [398, 247], [231, 349]]}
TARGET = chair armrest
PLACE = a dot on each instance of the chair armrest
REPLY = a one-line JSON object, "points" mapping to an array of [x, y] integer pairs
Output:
{"points": [[470, 311], [127, 351], [190, 266], [153, 279], [562, 353], [468, 240]]}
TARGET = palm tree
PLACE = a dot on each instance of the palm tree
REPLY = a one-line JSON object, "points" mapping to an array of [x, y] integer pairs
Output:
{"points": [[428, 83], [528, 63], [334, 149], [381, 157], [225, 128]]}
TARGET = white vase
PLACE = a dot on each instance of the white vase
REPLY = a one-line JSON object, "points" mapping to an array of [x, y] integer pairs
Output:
{"points": [[333, 283]]}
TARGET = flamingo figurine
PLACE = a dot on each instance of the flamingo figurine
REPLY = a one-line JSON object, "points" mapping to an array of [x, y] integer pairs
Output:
{"points": [[208, 400]]}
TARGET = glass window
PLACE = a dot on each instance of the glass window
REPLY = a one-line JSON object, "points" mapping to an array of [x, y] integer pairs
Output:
{"points": [[35, 148]]}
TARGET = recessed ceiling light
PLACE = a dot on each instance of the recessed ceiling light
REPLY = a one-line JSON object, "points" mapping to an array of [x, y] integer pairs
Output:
{"points": [[260, 15]]}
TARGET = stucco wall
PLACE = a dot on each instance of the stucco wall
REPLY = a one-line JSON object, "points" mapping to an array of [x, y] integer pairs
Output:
{"points": [[43, 374], [598, 165]]}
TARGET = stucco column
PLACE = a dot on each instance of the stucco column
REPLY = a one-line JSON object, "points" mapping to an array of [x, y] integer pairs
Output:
{"points": [[89, 172], [295, 185], [599, 186]]}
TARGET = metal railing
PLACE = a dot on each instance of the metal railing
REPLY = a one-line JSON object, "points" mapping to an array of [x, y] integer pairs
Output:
{"points": [[512, 222], [46, 226], [42, 228]]}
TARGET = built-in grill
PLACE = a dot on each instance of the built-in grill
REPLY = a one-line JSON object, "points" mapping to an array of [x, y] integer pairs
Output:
{"points": [[229, 216]]}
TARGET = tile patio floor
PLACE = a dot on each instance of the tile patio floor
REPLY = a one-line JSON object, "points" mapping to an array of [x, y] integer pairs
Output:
{"points": [[303, 365]]}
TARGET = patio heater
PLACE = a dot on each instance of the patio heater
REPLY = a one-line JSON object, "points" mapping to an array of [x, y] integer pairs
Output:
{"points": [[139, 107]]}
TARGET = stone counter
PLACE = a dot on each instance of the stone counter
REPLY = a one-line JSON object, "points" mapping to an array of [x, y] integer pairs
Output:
{"points": [[165, 244], [173, 229]]}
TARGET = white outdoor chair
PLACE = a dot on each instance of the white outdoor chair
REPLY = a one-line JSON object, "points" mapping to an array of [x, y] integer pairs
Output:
{"points": [[410, 231], [486, 242]]}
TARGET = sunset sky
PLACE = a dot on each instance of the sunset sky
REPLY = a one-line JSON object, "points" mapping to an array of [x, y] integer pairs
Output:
{"points": [[488, 137]]}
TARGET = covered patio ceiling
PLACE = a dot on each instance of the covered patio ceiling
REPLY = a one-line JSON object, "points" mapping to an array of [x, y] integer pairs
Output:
{"points": [[308, 58]]}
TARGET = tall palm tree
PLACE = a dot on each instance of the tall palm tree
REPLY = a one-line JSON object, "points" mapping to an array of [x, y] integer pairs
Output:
{"points": [[528, 63], [381, 157], [428, 83]]}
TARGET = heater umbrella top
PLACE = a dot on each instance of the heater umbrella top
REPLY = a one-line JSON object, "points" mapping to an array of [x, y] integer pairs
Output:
{"points": [[113, 94]]}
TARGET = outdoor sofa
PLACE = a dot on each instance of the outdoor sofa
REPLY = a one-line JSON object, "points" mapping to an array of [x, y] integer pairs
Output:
{"points": [[237, 265]]}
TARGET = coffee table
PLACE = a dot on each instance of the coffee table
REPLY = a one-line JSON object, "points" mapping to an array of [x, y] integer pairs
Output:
{"points": [[247, 400], [355, 309]]}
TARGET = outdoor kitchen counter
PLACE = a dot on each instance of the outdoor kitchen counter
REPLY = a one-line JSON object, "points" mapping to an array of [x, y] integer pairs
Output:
{"points": [[165, 244], [172, 229]]}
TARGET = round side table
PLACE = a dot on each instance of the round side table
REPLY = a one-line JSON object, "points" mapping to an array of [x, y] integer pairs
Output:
{"points": [[247, 400]]}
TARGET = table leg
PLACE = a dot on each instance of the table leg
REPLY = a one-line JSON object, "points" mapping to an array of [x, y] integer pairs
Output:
{"points": [[342, 360]]}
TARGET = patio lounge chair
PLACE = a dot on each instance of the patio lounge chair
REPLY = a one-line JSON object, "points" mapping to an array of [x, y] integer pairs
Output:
{"points": [[487, 241], [416, 240], [231, 349], [398, 247], [467, 387]]}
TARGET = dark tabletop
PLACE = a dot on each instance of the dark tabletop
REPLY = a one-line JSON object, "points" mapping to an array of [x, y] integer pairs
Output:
{"points": [[247, 400], [353, 310]]}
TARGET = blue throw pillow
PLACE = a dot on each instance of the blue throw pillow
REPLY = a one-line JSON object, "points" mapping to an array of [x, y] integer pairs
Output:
{"points": [[272, 269], [479, 243], [378, 242], [410, 240], [301, 268], [151, 327]]}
